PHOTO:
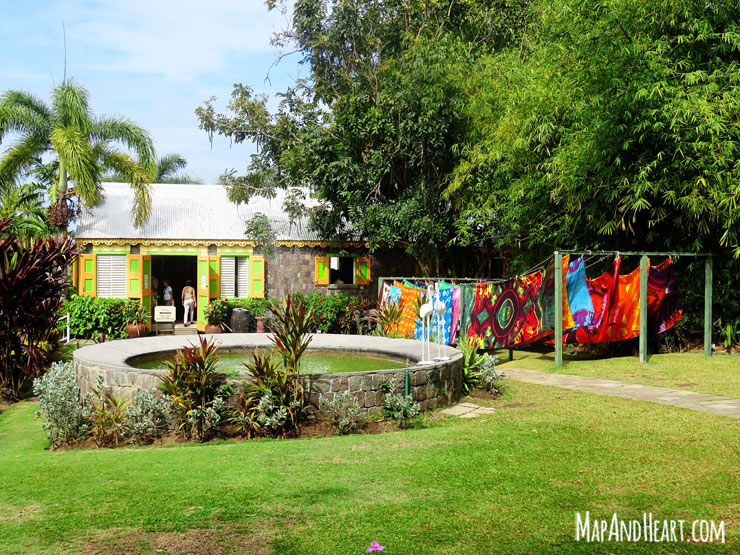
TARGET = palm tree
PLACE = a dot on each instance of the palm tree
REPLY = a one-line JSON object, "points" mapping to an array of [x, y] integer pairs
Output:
{"points": [[167, 167], [83, 145]]}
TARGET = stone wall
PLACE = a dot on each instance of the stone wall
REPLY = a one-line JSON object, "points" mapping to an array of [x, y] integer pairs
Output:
{"points": [[291, 269], [432, 386]]}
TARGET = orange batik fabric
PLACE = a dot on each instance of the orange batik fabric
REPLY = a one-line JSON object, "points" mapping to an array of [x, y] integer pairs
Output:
{"points": [[409, 296]]}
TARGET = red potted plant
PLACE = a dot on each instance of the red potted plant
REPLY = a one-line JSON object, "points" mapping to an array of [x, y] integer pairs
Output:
{"points": [[217, 314]]}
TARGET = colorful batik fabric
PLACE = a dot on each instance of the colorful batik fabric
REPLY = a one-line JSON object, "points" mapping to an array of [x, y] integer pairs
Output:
{"points": [[579, 299], [456, 308], [446, 298], [394, 295], [467, 301], [383, 298], [409, 297], [665, 305]]}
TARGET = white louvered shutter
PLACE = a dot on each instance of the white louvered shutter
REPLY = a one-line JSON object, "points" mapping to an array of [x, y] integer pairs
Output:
{"points": [[111, 275], [228, 276], [242, 273]]}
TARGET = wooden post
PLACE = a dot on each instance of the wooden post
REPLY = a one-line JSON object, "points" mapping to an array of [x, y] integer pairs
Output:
{"points": [[558, 308], [708, 306], [643, 307], [511, 355]]}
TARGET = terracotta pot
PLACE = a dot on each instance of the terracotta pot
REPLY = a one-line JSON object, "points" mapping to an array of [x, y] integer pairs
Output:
{"points": [[213, 328], [135, 330], [260, 324]]}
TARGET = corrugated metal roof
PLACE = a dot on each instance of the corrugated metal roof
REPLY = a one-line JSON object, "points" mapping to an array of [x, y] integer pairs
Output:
{"points": [[198, 212]]}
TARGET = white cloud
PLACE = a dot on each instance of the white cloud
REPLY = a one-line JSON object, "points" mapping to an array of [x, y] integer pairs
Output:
{"points": [[178, 39]]}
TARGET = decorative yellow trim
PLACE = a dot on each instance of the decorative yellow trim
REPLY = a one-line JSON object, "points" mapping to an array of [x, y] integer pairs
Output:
{"points": [[218, 243]]}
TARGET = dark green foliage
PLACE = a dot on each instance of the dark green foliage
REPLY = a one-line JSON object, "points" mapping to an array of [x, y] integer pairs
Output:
{"points": [[32, 286], [218, 313], [328, 310], [198, 389], [390, 72], [91, 317]]}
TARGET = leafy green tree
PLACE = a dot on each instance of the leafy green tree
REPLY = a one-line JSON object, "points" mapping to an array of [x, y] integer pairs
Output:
{"points": [[371, 131], [82, 145], [167, 167]]}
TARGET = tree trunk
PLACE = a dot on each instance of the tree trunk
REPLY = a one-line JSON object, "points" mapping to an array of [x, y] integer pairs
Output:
{"points": [[61, 192]]}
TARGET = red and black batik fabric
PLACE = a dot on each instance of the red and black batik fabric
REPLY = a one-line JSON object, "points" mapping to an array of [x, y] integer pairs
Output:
{"points": [[665, 305]]}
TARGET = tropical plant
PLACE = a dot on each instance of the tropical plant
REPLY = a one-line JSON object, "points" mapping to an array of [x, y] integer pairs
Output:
{"points": [[291, 328], [23, 206], [83, 145], [275, 401], [388, 319], [218, 313], [472, 361], [344, 412], [194, 382], [401, 408], [134, 312], [166, 168], [65, 417], [33, 282], [107, 416]]}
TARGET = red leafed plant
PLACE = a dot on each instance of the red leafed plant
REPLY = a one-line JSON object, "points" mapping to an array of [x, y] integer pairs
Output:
{"points": [[33, 279]]}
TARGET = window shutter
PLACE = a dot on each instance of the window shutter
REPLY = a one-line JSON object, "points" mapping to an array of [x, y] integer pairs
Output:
{"points": [[242, 276], [88, 275], [363, 271], [257, 277], [321, 276], [214, 279], [111, 276], [202, 289], [228, 276], [134, 275]]}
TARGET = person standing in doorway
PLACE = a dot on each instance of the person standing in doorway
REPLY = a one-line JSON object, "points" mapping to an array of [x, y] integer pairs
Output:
{"points": [[167, 296], [188, 303]]}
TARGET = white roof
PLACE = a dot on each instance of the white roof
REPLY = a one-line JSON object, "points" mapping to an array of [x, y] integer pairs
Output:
{"points": [[184, 211]]}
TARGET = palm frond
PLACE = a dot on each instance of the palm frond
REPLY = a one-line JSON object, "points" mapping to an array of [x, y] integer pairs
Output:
{"points": [[71, 107], [73, 148], [20, 157], [133, 173], [22, 119], [126, 132], [26, 100], [168, 165]]}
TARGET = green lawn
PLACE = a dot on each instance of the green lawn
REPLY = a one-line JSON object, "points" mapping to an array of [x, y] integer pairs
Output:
{"points": [[718, 374], [510, 482]]}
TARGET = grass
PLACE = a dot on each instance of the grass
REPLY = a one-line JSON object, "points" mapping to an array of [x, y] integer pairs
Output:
{"points": [[510, 482], [718, 374]]}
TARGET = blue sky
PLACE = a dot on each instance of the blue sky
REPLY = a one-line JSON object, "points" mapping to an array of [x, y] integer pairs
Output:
{"points": [[153, 61]]}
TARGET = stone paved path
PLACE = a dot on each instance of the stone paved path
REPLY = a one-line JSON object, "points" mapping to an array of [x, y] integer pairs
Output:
{"points": [[468, 410], [704, 402]]}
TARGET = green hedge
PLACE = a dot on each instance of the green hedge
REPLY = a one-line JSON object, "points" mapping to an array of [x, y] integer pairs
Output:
{"points": [[90, 317]]}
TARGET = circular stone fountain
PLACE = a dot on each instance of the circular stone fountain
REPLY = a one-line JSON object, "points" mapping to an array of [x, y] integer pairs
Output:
{"points": [[432, 385]]}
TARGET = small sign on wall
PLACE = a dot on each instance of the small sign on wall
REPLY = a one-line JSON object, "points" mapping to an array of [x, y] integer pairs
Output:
{"points": [[203, 281], [164, 313]]}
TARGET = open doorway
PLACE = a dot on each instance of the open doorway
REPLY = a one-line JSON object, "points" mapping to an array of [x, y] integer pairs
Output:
{"points": [[177, 270]]}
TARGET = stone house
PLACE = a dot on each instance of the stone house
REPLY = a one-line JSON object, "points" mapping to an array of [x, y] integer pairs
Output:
{"points": [[195, 233]]}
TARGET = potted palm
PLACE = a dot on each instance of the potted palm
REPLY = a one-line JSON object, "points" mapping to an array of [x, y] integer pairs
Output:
{"points": [[217, 314], [136, 316]]}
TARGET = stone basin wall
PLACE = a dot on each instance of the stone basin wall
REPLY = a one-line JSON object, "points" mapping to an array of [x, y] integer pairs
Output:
{"points": [[433, 385]]}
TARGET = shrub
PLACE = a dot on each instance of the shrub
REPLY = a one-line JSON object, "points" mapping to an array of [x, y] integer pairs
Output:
{"points": [[198, 389], [59, 404], [344, 412], [274, 403], [254, 308], [32, 285], [489, 377], [218, 313], [400, 407], [328, 310], [388, 319], [149, 416], [347, 321], [107, 416], [472, 361], [91, 317]]}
